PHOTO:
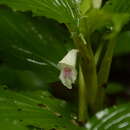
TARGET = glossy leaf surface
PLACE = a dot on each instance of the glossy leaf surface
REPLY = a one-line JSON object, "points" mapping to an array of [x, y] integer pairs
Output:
{"points": [[29, 43], [115, 118], [60, 10], [37, 110]]}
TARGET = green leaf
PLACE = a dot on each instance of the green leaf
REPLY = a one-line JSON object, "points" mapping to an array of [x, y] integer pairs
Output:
{"points": [[31, 43], [61, 10], [114, 118], [38, 109], [116, 6], [21, 80], [85, 5], [105, 21], [123, 44], [114, 88], [88, 24], [12, 126]]}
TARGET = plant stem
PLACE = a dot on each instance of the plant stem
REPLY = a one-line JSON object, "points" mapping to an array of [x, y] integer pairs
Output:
{"points": [[83, 110], [106, 64], [98, 52], [89, 68], [104, 70]]}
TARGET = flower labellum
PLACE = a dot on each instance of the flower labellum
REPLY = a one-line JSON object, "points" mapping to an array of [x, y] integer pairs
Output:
{"points": [[96, 4], [67, 66]]}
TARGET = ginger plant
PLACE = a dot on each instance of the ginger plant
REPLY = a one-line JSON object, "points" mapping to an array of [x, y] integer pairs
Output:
{"points": [[93, 65]]}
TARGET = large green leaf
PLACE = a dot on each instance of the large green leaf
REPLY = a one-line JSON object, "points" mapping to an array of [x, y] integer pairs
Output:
{"points": [[21, 80], [61, 10], [37, 109], [29, 43], [115, 118]]}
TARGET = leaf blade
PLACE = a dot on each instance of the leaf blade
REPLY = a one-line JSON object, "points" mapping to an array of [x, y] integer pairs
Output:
{"points": [[61, 10], [29, 41], [113, 118], [38, 109]]}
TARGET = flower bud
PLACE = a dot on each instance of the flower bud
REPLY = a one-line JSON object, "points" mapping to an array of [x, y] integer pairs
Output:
{"points": [[68, 70]]}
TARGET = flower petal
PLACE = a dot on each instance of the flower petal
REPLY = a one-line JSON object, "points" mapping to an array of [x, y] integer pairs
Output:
{"points": [[67, 65]]}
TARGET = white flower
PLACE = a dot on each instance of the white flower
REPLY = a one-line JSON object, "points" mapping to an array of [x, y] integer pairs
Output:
{"points": [[96, 4], [67, 67]]}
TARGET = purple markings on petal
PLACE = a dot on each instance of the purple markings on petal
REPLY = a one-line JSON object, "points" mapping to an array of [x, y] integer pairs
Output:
{"points": [[67, 72]]}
